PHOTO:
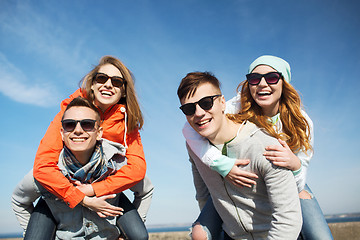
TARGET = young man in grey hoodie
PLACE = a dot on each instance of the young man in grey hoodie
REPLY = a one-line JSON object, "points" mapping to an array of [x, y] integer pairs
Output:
{"points": [[270, 209]]}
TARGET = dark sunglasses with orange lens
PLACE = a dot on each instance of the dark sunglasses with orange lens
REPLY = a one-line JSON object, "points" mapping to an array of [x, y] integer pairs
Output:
{"points": [[69, 125], [270, 78], [205, 103], [116, 81]]}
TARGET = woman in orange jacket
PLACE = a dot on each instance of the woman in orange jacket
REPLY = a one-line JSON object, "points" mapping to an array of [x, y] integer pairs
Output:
{"points": [[110, 87]]}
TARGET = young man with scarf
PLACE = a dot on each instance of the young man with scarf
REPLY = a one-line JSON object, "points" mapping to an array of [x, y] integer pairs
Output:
{"points": [[85, 158]]}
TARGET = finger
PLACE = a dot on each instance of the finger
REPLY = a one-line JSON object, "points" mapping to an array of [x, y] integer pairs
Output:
{"points": [[110, 212], [280, 164], [274, 158], [270, 154], [243, 184], [242, 161], [284, 144], [77, 183], [101, 215], [273, 148], [109, 207], [273, 155], [246, 181], [108, 196], [246, 175]]}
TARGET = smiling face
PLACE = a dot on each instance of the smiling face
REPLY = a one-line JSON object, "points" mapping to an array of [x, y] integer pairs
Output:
{"points": [[267, 96], [106, 94], [207, 123], [80, 142]]}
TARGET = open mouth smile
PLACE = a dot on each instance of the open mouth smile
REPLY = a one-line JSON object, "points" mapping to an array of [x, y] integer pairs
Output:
{"points": [[203, 122], [106, 93], [79, 139], [264, 93]]}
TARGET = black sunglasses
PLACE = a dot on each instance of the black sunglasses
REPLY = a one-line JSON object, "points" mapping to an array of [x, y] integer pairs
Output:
{"points": [[270, 78], [205, 103], [69, 125], [116, 81]]}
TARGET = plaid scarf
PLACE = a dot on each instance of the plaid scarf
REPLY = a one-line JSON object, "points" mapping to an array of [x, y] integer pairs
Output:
{"points": [[95, 170]]}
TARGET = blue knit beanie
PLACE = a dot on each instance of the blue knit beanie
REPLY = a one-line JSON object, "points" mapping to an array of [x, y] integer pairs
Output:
{"points": [[276, 63]]}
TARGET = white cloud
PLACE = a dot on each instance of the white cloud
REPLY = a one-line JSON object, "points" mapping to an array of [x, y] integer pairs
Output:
{"points": [[40, 34], [15, 85]]}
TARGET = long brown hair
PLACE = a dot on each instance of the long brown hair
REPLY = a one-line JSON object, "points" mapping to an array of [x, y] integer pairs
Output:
{"points": [[135, 119], [296, 129]]}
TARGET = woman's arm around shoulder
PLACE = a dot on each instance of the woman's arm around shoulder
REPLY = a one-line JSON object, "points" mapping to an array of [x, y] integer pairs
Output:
{"points": [[46, 170], [128, 175]]}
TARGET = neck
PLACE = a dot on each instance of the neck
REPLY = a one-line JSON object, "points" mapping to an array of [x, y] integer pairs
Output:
{"points": [[227, 131], [83, 157], [271, 111]]}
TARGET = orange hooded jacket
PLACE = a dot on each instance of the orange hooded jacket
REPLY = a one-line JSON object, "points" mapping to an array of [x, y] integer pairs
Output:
{"points": [[48, 174]]}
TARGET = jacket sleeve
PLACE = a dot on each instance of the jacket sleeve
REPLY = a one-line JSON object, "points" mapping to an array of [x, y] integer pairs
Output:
{"points": [[207, 153], [128, 175], [46, 170]]}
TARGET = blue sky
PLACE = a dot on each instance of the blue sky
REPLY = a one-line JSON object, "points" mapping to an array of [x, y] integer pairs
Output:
{"points": [[46, 47]]}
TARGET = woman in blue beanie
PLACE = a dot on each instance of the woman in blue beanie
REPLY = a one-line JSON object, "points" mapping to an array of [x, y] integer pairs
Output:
{"points": [[267, 99]]}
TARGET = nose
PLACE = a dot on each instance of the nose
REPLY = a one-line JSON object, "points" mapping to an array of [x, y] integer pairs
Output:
{"points": [[263, 82], [78, 129], [108, 83], [199, 111]]}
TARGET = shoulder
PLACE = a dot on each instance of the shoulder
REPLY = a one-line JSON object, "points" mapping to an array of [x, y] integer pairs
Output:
{"points": [[259, 135], [117, 111]]}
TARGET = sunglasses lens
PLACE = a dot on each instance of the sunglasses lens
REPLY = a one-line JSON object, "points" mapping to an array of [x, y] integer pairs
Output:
{"points": [[69, 125], [117, 81], [272, 78], [253, 78], [87, 125], [206, 103], [188, 109], [101, 78]]}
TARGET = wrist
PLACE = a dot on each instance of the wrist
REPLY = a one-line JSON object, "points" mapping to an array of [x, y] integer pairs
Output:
{"points": [[296, 172]]}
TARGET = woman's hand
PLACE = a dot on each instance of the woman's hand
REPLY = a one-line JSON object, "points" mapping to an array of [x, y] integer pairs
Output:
{"points": [[282, 156], [87, 189], [240, 177], [101, 206]]}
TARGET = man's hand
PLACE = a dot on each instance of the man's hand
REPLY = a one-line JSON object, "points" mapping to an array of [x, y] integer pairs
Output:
{"points": [[240, 177], [101, 206], [87, 189], [282, 156]]}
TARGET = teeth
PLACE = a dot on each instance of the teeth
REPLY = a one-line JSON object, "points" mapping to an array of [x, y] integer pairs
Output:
{"points": [[264, 93], [78, 139], [106, 93], [203, 122]]}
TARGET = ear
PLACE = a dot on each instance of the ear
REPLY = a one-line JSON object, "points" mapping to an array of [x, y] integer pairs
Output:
{"points": [[62, 133], [223, 103], [92, 87], [99, 133]]}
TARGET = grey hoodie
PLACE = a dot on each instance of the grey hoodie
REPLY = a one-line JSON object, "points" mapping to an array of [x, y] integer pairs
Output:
{"points": [[268, 210]]}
